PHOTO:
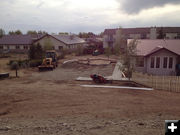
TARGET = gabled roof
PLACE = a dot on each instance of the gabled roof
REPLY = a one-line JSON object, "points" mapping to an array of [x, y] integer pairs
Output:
{"points": [[66, 39], [69, 39], [146, 47], [16, 40]]}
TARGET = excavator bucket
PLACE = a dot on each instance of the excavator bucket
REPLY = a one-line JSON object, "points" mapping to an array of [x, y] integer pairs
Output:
{"points": [[46, 65]]}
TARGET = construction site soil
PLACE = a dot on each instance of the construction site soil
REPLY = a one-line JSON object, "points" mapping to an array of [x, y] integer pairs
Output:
{"points": [[52, 102]]}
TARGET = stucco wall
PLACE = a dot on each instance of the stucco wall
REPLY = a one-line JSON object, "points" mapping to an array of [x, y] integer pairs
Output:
{"points": [[171, 35], [153, 33], [12, 48], [105, 42], [137, 68], [135, 36], [56, 43], [53, 41]]}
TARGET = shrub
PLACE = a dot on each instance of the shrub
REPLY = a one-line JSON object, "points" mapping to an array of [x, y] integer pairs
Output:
{"points": [[11, 61], [24, 63], [116, 50], [35, 63], [79, 50], [21, 63], [14, 65], [36, 52], [108, 51]]}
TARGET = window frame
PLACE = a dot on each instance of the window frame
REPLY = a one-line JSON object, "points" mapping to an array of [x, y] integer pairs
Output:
{"points": [[158, 62], [170, 65], [165, 63], [17, 46], [26, 47], [60, 48], [152, 62]]}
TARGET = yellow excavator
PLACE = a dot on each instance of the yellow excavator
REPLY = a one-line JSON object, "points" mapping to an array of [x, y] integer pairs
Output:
{"points": [[50, 62]]}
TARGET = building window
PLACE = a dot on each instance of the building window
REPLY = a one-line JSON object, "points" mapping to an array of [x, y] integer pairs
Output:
{"points": [[60, 48], [110, 44], [165, 62], [110, 37], [152, 62], [170, 62], [139, 62], [178, 35], [8, 47], [17, 47], [1, 47], [143, 36], [158, 62], [25, 47]]}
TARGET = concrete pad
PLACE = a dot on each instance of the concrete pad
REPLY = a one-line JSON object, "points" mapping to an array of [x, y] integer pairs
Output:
{"points": [[116, 87], [83, 79], [116, 79], [74, 60], [108, 78]]}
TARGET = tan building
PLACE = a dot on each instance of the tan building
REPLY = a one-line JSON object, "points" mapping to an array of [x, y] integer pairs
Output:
{"points": [[61, 42], [141, 33]]}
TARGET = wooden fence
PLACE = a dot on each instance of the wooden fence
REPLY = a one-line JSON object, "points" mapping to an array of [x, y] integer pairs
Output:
{"points": [[169, 83]]}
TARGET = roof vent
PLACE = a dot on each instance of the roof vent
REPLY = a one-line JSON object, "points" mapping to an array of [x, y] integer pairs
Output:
{"points": [[71, 37], [159, 46]]}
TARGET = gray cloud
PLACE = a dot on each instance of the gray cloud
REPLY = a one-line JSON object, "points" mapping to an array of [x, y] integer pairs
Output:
{"points": [[41, 3], [135, 6]]}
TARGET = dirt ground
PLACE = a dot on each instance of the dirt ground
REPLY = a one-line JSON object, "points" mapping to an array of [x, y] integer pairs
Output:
{"points": [[52, 102]]}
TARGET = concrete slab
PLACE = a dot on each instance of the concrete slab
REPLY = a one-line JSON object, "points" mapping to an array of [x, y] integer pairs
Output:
{"points": [[116, 87], [116, 76], [69, 61], [83, 79]]}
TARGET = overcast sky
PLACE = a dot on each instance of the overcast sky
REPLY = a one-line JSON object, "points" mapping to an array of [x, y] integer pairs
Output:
{"points": [[86, 15]]}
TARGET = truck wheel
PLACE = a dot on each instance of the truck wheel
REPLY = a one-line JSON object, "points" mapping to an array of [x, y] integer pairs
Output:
{"points": [[96, 80]]}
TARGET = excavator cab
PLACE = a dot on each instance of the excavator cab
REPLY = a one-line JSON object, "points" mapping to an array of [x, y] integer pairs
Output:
{"points": [[50, 62]]}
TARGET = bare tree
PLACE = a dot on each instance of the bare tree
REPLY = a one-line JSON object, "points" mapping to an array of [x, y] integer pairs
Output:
{"points": [[48, 45], [127, 57], [2, 33], [120, 42], [108, 51]]}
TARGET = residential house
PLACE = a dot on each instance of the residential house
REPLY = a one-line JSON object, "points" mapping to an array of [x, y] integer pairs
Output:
{"points": [[61, 41], [22, 43], [157, 57], [15, 43], [109, 37], [94, 41]]}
